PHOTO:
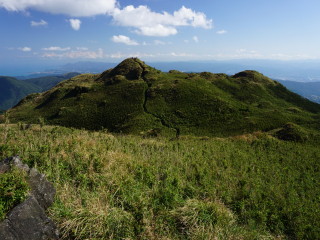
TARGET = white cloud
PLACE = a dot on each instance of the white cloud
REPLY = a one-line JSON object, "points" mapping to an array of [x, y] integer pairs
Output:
{"points": [[151, 23], [124, 39], [241, 53], [56, 49], [158, 30], [174, 54], [75, 24], [25, 49], [142, 18], [158, 42], [127, 55], [196, 39], [74, 8], [82, 49], [221, 32], [245, 51], [40, 23], [76, 54]]}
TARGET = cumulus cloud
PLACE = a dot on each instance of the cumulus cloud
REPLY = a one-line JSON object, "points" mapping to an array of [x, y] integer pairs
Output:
{"points": [[196, 39], [25, 49], [158, 30], [142, 18], [56, 49], [74, 8], [75, 24], [151, 23], [37, 24], [76, 54], [124, 39], [221, 32]]}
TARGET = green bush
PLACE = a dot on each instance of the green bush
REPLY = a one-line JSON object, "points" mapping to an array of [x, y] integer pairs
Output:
{"points": [[292, 132], [13, 190]]}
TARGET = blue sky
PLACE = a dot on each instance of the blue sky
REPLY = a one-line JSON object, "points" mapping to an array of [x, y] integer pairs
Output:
{"points": [[47, 32]]}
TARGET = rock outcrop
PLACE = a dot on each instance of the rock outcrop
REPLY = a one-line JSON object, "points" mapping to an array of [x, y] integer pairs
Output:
{"points": [[28, 220]]}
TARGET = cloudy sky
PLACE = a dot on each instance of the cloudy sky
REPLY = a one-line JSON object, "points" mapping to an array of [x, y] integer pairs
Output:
{"points": [[52, 31]]}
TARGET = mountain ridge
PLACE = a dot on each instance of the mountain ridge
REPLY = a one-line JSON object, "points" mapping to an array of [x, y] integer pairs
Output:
{"points": [[134, 98]]}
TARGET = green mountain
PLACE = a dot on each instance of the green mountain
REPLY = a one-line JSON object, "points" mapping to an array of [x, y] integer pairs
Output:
{"points": [[136, 98], [47, 82], [13, 90]]}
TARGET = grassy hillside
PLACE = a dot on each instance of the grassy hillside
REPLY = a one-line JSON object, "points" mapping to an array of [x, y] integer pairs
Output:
{"points": [[251, 186], [13, 90], [205, 156], [136, 98]]}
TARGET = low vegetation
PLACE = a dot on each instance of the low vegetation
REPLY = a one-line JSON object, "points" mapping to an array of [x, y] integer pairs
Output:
{"points": [[173, 155], [251, 186], [13, 190]]}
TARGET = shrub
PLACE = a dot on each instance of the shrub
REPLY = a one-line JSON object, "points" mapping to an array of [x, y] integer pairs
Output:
{"points": [[13, 190], [292, 132]]}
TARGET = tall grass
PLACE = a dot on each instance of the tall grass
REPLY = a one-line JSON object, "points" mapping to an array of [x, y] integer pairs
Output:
{"points": [[130, 187]]}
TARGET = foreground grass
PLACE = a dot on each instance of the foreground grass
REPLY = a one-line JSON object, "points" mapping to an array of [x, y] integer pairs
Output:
{"points": [[129, 187], [13, 190]]}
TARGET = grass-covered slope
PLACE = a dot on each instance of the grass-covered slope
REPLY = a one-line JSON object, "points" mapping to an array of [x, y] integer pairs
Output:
{"points": [[13, 90], [131, 187], [135, 98]]}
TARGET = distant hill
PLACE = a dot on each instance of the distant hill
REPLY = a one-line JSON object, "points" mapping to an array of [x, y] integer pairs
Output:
{"points": [[13, 90], [85, 67], [309, 90], [136, 98], [47, 82]]}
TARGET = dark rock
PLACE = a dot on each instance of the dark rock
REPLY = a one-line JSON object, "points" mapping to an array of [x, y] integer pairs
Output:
{"points": [[42, 189], [4, 166], [28, 220]]}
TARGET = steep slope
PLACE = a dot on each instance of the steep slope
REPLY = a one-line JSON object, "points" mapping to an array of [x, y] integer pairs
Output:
{"points": [[13, 90], [134, 97]]}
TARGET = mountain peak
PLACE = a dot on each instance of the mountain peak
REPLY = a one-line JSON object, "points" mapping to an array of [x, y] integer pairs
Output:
{"points": [[251, 75], [131, 68]]}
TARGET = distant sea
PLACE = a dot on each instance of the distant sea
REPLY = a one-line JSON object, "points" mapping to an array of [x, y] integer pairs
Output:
{"points": [[11, 69]]}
